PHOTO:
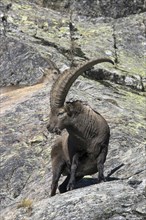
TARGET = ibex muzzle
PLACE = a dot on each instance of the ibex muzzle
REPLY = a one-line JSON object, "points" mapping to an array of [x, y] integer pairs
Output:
{"points": [[54, 130]]}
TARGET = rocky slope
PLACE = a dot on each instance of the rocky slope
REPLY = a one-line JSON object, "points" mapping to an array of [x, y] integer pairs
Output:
{"points": [[98, 8], [35, 40]]}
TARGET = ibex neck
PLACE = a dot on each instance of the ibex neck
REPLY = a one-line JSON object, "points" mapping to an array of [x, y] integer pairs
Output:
{"points": [[76, 135]]}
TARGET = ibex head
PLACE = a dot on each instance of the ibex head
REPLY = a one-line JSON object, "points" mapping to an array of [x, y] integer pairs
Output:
{"points": [[63, 117], [62, 114]]}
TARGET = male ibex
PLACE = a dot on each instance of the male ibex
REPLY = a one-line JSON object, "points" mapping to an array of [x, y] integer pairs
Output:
{"points": [[82, 148]]}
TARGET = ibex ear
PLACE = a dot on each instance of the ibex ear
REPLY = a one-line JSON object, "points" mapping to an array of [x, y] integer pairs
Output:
{"points": [[69, 108]]}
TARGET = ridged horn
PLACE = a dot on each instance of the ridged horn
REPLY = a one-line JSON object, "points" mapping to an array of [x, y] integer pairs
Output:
{"points": [[63, 83]]}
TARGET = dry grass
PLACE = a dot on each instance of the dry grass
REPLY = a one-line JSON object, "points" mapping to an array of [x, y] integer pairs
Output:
{"points": [[26, 203]]}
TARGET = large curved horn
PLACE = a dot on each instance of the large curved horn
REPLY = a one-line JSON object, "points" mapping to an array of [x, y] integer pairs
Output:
{"points": [[63, 83]]}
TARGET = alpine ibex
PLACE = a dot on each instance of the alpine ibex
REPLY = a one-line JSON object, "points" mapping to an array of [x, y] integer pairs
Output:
{"points": [[82, 148]]}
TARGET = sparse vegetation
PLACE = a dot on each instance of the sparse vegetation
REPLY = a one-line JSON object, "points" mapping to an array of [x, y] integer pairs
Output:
{"points": [[26, 203]]}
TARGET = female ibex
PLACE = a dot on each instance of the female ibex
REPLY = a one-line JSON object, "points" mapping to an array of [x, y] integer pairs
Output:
{"points": [[82, 148]]}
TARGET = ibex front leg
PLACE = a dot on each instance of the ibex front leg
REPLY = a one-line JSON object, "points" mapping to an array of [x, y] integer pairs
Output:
{"points": [[74, 165], [57, 170]]}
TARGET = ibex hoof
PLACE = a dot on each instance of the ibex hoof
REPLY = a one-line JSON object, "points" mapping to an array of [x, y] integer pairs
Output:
{"points": [[70, 186], [100, 180]]}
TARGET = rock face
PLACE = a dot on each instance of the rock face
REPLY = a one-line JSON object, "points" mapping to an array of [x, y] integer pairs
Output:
{"points": [[44, 37], [33, 42], [20, 64], [99, 8], [91, 203]]}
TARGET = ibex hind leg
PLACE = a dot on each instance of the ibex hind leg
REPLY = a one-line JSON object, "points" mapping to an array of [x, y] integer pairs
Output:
{"points": [[57, 170], [100, 164]]}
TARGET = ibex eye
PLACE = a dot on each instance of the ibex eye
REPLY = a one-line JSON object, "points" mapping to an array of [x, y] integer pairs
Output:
{"points": [[60, 113]]}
